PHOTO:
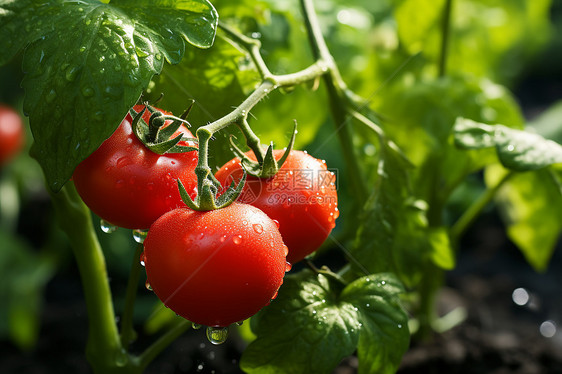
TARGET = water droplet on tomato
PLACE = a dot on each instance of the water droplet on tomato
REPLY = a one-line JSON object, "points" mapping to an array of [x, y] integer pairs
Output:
{"points": [[147, 285], [274, 295], [139, 235], [237, 239], [217, 335], [123, 161], [257, 228], [276, 223], [288, 267], [285, 250], [223, 238], [195, 326], [142, 259], [107, 227]]}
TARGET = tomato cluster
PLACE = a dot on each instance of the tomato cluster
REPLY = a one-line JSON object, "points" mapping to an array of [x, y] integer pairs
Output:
{"points": [[213, 267]]}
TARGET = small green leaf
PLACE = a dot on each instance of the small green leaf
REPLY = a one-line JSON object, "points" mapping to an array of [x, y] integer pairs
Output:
{"points": [[384, 335], [310, 327], [79, 88], [531, 206], [517, 150]]}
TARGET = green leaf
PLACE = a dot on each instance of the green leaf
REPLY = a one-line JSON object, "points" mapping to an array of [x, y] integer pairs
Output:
{"points": [[549, 123], [79, 88], [517, 150], [310, 327], [531, 206], [384, 335], [420, 116]]}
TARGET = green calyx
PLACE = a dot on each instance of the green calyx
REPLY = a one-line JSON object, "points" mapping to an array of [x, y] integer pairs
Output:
{"points": [[157, 137], [207, 198], [269, 166]]}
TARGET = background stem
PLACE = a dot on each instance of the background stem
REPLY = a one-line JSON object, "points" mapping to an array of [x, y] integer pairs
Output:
{"points": [[445, 35]]}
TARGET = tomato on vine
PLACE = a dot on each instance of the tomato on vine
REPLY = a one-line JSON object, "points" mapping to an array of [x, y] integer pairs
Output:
{"points": [[301, 197], [129, 185], [215, 267], [12, 133]]}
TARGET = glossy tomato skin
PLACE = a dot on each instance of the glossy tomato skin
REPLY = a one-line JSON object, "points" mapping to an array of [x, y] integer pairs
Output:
{"points": [[301, 197], [128, 185], [12, 134], [215, 267]]}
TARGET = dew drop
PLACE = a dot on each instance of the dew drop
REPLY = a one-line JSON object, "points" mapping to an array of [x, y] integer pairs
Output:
{"points": [[139, 235], [217, 335], [276, 223], [195, 326], [237, 239], [107, 227], [223, 238], [288, 267], [51, 96], [121, 358], [71, 73], [285, 250], [142, 259], [239, 323], [257, 228], [87, 91], [147, 285]]}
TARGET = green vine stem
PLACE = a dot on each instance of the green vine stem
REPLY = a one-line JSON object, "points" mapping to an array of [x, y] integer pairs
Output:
{"points": [[470, 215], [103, 350], [338, 94], [128, 334], [445, 35], [164, 341]]}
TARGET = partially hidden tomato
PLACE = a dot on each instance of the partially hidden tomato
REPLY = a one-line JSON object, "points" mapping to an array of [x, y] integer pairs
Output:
{"points": [[215, 267], [301, 197], [12, 133], [128, 185]]}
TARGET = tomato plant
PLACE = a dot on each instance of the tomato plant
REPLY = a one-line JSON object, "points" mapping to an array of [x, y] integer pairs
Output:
{"points": [[127, 184], [424, 133], [217, 267], [301, 197], [12, 133]]}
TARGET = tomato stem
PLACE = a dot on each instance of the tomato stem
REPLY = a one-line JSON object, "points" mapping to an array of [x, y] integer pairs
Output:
{"points": [[103, 350]]}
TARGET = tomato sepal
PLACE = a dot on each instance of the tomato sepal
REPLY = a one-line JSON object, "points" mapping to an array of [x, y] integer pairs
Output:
{"points": [[270, 166], [155, 136], [207, 198]]}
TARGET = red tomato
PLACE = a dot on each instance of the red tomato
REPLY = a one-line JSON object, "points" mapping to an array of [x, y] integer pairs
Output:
{"points": [[12, 134], [301, 197], [128, 185], [215, 267]]}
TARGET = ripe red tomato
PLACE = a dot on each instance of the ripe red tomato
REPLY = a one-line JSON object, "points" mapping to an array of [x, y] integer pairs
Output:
{"points": [[215, 267], [301, 197], [12, 133], [128, 185]]}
